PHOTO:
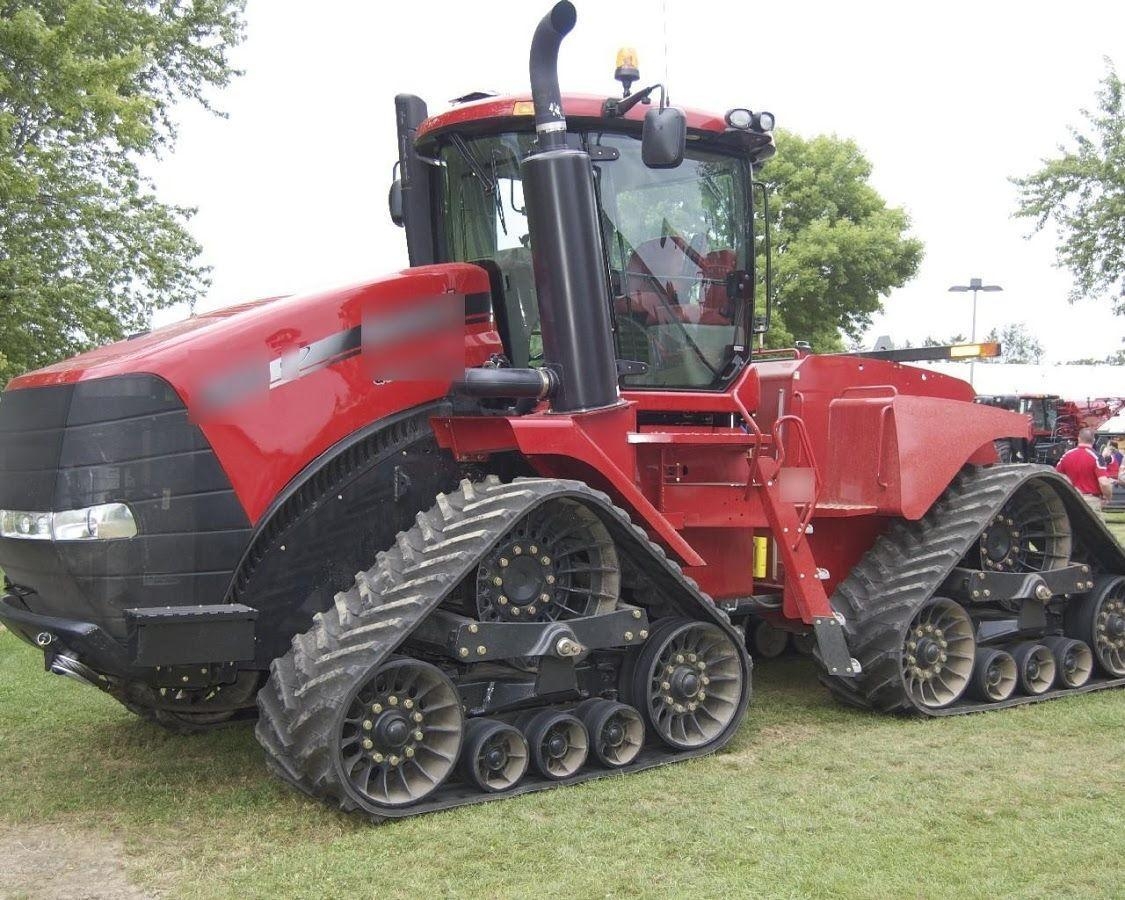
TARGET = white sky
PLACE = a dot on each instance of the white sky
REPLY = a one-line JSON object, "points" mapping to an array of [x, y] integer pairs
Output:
{"points": [[946, 99]]}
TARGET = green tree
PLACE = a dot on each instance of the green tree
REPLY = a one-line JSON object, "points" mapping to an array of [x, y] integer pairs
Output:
{"points": [[838, 248], [1082, 192], [1017, 344], [87, 89]]}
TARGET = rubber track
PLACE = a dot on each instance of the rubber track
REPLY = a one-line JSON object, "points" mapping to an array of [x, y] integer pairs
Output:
{"points": [[299, 705], [911, 560]]}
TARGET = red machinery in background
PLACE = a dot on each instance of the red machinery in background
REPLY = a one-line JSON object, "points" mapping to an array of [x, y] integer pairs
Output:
{"points": [[497, 522]]}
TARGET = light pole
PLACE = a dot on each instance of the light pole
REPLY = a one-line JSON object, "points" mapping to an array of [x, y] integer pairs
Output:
{"points": [[974, 285]]}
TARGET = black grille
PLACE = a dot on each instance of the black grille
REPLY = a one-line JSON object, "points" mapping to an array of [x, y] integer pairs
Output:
{"points": [[123, 439]]}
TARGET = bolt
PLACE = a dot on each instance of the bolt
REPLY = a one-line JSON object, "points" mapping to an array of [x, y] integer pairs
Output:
{"points": [[628, 635], [679, 707], [701, 665], [474, 628], [515, 610], [665, 686], [393, 760], [702, 695], [693, 706], [668, 701], [668, 670], [692, 657], [417, 717], [503, 562], [464, 651], [976, 594], [544, 598], [409, 751], [545, 560], [368, 724], [533, 550], [408, 703], [550, 579], [911, 659], [679, 657], [987, 592], [376, 707], [392, 700], [481, 650], [185, 678], [517, 550], [636, 613], [565, 646], [368, 743], [498, 581], [502, 600], [531, 610], [377, 757], [642, 634]]}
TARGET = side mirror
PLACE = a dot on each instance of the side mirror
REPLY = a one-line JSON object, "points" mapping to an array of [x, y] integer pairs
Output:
{"points": [[663, 138], [394, 202]]}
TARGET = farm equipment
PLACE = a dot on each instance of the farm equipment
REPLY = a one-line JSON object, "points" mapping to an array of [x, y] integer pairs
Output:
{"points": [[497, 522], [1054, 427]]}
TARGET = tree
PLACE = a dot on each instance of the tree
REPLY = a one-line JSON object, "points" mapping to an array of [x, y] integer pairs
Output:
{"points": [[944, 342], [1017, 344], [87, 89], [838, 248], [1083, 193]]}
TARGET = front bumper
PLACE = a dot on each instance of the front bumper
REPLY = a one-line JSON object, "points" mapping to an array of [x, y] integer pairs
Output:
{"points": [[159, 640]]}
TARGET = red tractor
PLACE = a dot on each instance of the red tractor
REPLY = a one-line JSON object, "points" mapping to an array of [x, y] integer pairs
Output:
{"points": [[493, 523]]}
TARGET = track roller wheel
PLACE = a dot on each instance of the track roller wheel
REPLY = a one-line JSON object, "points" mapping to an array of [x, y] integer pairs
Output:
{"points": [[804, 643], [616, 730], [1074, 662], [1098, 619], [768, 642], [938, 652], [400, 733], [495, 755], [688, 681], [1036, 667], [558, 743], [994, 675]]}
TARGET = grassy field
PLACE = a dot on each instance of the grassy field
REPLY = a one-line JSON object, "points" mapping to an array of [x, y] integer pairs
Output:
{"points": [[809, 799]]}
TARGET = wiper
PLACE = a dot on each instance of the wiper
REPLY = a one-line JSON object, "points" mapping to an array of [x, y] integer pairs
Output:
{"points": [[474, 164]]}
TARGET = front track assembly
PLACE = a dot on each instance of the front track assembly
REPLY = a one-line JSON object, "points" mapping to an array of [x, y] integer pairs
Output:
{"points": [[518, 637], [1009, 591]]}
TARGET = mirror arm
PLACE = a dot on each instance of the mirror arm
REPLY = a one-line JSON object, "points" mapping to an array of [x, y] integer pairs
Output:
{"points": [[613, 108]]}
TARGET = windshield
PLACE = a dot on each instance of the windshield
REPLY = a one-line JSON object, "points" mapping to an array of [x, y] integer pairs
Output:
{"points": [[672, 237]]}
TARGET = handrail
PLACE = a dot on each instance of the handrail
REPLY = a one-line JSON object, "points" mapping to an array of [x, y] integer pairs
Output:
{"points": [[879, 444], [806, 448]]}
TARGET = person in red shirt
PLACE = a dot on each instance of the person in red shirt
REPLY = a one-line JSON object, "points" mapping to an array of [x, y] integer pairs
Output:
{"points": [[1082, 466]]}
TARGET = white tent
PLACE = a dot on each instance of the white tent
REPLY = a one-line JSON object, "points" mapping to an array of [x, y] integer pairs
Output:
{"points": [[1069, 382], [1116, 425]]}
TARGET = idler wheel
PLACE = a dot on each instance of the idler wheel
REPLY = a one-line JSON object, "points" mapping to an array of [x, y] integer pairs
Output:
{"points": [[1098, 619], [938, 652], [401, 734], [994, 675], [495, 757], [768, 642], [1036, 667], [558, 743], [616, 730], [1074, 662], [688, 682], [1031, 533]]}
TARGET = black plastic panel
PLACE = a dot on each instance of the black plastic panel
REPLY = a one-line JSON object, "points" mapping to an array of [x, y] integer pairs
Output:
{"points": [[124, 439]]}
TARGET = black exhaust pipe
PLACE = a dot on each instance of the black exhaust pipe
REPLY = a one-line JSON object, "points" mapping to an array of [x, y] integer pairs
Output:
{"points": [[566, 241]]}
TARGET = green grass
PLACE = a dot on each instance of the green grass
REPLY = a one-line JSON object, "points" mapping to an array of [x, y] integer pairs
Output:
{"points": [[809, 799]]}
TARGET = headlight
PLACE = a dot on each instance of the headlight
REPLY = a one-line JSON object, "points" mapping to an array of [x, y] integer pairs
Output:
{"points": [[104, 521]]}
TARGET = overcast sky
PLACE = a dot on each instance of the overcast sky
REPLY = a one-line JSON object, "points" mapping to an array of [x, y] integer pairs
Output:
{"points": [[947, 100]]}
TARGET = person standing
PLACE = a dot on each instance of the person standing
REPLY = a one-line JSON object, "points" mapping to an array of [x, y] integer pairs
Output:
{"points": [[1083, 468]]}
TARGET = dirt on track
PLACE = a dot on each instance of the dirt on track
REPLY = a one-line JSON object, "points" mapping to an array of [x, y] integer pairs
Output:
{"points": [[49, 861]]}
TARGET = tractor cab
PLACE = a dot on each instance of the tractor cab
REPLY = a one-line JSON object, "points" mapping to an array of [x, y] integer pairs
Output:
{"points": [[677, 234]]}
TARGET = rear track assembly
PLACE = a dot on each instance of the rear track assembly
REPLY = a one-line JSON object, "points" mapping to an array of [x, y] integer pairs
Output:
{"points": [[896, 592]]}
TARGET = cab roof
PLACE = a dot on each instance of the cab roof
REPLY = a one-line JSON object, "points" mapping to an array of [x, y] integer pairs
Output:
{"points": [[575, 106]]}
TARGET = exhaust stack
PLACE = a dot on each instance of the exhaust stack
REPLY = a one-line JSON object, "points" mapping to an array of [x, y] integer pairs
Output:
{"points": [[566, 242]]}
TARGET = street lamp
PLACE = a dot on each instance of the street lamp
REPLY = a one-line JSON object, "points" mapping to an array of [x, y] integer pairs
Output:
{"points": [[975, 285]]}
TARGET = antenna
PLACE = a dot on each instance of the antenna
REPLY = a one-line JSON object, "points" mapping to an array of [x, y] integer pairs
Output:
{"points": [[664, 13]]}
